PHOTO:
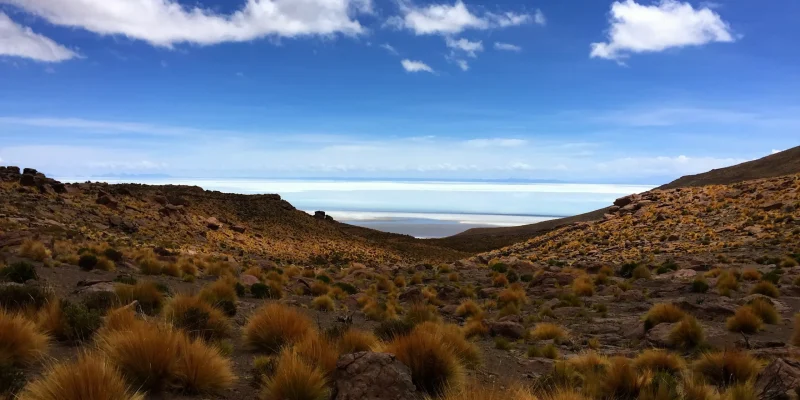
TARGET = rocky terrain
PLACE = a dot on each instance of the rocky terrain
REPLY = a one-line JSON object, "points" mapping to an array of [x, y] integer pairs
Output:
{"points": [[173, 292]]}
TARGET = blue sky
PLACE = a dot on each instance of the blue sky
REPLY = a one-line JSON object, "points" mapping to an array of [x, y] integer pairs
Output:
{"points": [[580, 91]]}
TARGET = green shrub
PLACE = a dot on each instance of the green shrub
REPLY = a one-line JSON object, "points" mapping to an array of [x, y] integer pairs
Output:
{"points": [[502, 343], [16, 298], [259, 290], [87, 262], [699, 285], [526, 278], [81, 322], [239, 289], [391, 328], [626, 270], [512, 276], [100, 301], [113, 254], [19, 272], [324, 278], [773, 276], [499, 267], [346, 287]]}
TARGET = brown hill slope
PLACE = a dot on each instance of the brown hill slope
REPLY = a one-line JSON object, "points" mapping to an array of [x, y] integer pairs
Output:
{"points": [[486, 239], [707, 224], [192, 219], [778, 164]]}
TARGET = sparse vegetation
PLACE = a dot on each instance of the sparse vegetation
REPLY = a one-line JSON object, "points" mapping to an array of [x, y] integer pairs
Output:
{"points": [[274, 326]]}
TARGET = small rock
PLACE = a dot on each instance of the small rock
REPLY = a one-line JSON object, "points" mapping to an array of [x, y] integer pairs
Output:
{"points": [[508, 329], [212, 223], [248, 280], [238, 228]]}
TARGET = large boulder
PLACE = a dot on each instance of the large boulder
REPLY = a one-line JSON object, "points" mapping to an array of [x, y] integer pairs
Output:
{"points": [[779, 380], [372, 376]]}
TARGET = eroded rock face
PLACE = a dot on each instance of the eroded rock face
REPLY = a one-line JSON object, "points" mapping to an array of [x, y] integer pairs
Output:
{"points": [[372, 376], [778, 379]]}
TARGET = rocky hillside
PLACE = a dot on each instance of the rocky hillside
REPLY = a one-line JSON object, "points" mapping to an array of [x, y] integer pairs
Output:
{"points": [[486, 239], [183, 218], [783, 163]]}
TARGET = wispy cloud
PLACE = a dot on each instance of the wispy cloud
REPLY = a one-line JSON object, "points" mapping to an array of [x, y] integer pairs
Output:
{"points": [[415, 66], [637, 28], [507, 47], [496, 142], [468, 47], [20, 41], [390, 49]]}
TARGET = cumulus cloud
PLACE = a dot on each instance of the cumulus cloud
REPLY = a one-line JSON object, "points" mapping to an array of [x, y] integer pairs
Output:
{"points": [[495, 142], [416, 66], [507, 47], [20, 41], [470, 48], [636, 28], [450, 19], [539, 18], [167, 22]]}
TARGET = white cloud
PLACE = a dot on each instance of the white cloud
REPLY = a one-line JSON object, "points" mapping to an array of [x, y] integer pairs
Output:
{"points": [[416, 66], [662, 165], [774, 151], [464, 45], [463, 64], [539, 18], [637, 28], [450, 19], [167, 22], [20, 41], [507, 47], [390, 48], [496, 142]]}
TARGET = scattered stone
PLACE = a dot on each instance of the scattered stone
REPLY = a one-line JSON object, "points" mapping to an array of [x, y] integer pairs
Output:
{"points": [[238, 228], [508, 329], [212, 223], [372, 376]]}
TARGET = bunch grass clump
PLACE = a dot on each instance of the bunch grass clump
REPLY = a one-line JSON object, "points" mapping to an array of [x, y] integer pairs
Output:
{"points": [[20, 342], [548, 331], [726, 367], [295, 379], [662, 313], [745, 320], [274, 326], [434, 366], [355, 340], [766, 288], [197, 318]]}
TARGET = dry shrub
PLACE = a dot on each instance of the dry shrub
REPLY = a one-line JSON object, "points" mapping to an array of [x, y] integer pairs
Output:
{"points": [[317, 350], [147, 355], [641, 272], [450, 334], [120, 319], [20, 341], [105, 264], [434, 366], [171, 269], [475, 391], [197, 318], [219, 268], [696, 389], [187, 267], [659, 361], [727, 367], [400, 281], [751, 274], [50, 319], [515, 295], [323, 303], [741, 391], [475, 326], [765, 310], [589, 363], [621, 381], [726, 282], [416, 279], [355, 340], [34, 250], [688, 334], [766, 288], [583, 286], [745, 320], [91, 377], [146, 293], [796, 334], [201, 368], [561, 394], [500, 280], [149, 265], [661, 313], [421, 312], [222, 289], [468, 308], [318, 288], [547, 331], [274, 326], [294, 379]]}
